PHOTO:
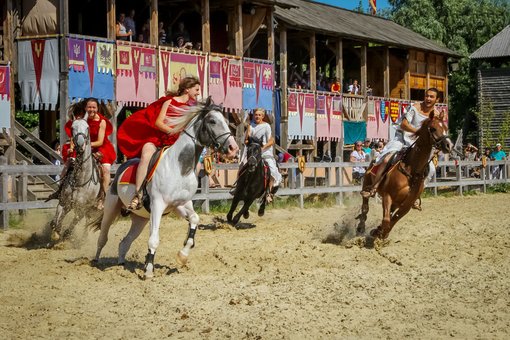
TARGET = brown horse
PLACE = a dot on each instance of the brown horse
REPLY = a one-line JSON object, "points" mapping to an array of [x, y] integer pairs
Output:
{"points": [[403, 182]]}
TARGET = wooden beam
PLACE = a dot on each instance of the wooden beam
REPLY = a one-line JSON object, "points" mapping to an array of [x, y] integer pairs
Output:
{"points": [[238, 22], [284, 123], [340, 61], [154, 34], [10, 54], [270, 34], [427, 70], [64, 70], [445, 67], [407, 78], [111, 20], [386, 65], [363, 69], [313, 62], [206, 26]]}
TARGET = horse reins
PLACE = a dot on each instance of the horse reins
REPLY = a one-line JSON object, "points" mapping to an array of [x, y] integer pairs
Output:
{"points": [[82, 161]]}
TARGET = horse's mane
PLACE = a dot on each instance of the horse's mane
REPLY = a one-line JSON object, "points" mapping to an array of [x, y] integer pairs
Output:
{"points": [[422, 128], [188, 113]]}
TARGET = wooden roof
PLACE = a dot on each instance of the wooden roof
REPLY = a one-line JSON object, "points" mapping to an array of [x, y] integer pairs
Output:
{"points": [[497, 47], [335, 21]]}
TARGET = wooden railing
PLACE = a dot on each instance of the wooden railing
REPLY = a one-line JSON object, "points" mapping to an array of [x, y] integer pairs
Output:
{"points": [[318, 178]]}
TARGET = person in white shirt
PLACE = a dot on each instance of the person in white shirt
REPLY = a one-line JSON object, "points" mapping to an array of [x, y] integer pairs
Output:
{"points": [[262, 131], [358, 155]]}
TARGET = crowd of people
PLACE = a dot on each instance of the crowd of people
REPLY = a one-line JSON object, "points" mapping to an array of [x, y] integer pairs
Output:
{"points": [[301, 80], [178, 36]]}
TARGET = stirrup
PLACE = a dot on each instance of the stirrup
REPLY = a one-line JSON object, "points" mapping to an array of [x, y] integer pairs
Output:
{"points": [[136, 203]]}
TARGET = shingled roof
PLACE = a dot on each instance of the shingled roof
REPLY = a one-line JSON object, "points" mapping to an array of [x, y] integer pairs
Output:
{"points": [[335, 21], [497, 47]]}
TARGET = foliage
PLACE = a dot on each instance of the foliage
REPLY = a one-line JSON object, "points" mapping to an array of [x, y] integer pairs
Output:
{"points": [[30, 120], [486, 122], [463, 26], [503, 188]]}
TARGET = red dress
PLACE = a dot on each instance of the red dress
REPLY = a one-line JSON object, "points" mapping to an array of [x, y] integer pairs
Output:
{"points": [[66, 146], [140, 128], [108, 152]]}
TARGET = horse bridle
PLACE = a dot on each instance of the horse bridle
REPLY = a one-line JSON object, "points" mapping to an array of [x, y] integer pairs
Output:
{"points": [[82, 161], [216, 145], [437, 141]]}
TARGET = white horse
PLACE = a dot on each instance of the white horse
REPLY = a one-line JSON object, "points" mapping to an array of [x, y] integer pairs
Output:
{"points": [[81, 184], [173, 184]]}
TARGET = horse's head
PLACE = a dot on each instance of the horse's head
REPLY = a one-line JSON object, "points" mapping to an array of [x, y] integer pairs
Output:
{"points": [[439, 133], [213, 130], [253, 153], [81, 136]]}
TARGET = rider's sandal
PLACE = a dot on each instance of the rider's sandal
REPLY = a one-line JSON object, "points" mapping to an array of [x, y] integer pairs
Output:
{"points": [[269, 198], [136, 203]]}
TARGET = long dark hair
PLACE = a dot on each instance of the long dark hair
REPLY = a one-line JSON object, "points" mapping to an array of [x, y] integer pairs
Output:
{"points": [[186, 83]]}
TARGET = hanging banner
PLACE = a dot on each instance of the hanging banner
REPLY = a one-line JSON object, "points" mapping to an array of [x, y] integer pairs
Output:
{"points": [[354, 131], [38, 73], [258, 84], [294, 127], [76, 52], [353, 108], [5, 96], [136, 74], [308, 115], [376, 127], [329, 116], [225, 82], [174, 66], [95, 79]]}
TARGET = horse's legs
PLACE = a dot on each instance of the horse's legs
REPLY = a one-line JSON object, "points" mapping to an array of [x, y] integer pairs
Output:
{"points": [[189, 213], [383, 230], [360, 230], [235, 202], [112, 206], [56, 223], [243, 210], [137, 225], [157, 209], [262, 207]]}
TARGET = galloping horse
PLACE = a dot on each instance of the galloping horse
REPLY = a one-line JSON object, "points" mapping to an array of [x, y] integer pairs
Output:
{"points": [[404, 182], [82, 183], [252, 182], [173, 183]]}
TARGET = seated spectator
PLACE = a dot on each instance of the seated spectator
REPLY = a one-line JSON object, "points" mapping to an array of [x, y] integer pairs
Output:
{"points": [[370, 91], [358, 155], [161, 33], [498, 155], [336, 86], [181, 32], [121, 32], [366, 146]]}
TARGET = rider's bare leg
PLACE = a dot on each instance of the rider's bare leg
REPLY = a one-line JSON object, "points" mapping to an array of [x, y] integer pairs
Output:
{"points": [[105, 177], [269, 196], [141, 172]]}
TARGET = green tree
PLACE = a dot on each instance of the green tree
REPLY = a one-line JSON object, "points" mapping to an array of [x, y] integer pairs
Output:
{"points": [[463, 26]]}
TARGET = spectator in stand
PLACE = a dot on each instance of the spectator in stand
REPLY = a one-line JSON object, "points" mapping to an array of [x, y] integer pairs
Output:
{"points": [[129, 23], [354, 87], [366, 146], [370, 91], [161, 33], [377, 150], [336, 86], [498, 155], [122, 33], [181, 32], [146, 31], [198, 46], [358, 155]]}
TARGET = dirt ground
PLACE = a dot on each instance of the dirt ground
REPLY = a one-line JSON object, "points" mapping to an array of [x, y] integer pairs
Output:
{"points": [[445, 273]]}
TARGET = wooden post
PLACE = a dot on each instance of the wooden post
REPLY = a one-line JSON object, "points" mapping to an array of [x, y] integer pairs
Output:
{"points": [[270, 34], [445, 65], [340, 63], [339, 181], [206, 26], [64, 71], [313, 76], [284, 123], [238, 22], [111, 20], [204, 182], [154, 36], [364, 69], [10, 54], [427, 70], [23, 187], [4, 195], [407, 78], [387, 90]]}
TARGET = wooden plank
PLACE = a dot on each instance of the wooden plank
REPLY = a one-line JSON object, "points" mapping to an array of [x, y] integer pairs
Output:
{"points": [[44, 146], [33, 151], [206, 26], [386, 63], [238, 24], [340, 62], [4, 195], [364, 67], [111, 20], [154, 36], [270, 34]]}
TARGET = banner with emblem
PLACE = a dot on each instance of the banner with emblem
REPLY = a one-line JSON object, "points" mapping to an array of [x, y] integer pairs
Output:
{"points": [[136, 74], [377, 128], [95, 78], [174, 66], [329, 116], [306, 105], [5, 96], [38, 73], [294, 127], [258, 84], [225, 82]]}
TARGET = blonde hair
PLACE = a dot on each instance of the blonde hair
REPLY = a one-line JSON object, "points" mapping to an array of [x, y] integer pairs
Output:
{"points": [[261, 110]]}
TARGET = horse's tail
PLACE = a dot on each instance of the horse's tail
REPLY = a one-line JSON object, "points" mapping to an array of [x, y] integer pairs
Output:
{"points": [[95, 224]]}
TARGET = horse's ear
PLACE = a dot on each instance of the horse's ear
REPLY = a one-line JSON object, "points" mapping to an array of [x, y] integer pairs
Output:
{"points": [[432, 114], [208, 101], [86, 116], [441, 115]]}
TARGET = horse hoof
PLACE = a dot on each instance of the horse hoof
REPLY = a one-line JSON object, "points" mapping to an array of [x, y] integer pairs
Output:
{"points": [[182, 259], [55, 236], [149, 272], [246, 215]]}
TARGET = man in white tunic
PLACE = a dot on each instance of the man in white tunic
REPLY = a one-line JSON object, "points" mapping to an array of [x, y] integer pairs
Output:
{"points": [[410, 123], [262, 131]]}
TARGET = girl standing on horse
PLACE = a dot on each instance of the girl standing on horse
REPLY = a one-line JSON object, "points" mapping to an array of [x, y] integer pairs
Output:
{"points": [[146, 130]]}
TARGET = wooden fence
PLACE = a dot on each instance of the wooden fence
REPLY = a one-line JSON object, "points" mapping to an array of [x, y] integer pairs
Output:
{"points": [[318, 178]]}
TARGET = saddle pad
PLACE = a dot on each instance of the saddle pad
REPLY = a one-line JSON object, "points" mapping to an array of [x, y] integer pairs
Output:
{"points": [[129, 175]]}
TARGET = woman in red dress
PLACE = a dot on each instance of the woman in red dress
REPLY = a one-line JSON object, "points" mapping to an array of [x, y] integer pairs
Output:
{"points": [[100, 128], [146, 130]]}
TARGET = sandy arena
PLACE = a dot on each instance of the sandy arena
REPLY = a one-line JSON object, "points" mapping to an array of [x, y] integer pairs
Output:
{"points": [[445, 273]]}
